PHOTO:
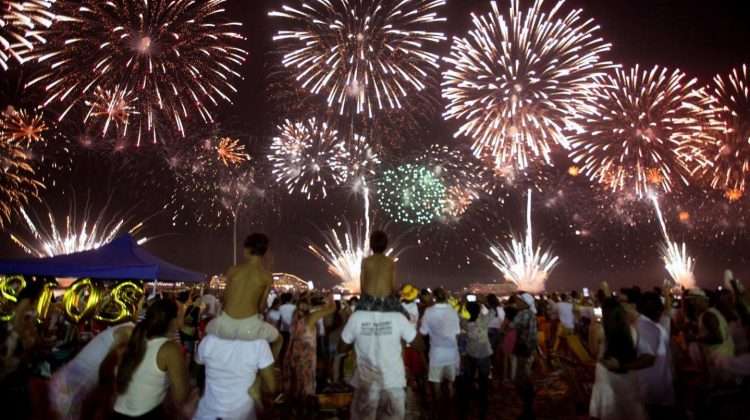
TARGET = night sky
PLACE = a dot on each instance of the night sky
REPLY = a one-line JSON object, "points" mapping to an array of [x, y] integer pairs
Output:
{"points": [[597, 237]]}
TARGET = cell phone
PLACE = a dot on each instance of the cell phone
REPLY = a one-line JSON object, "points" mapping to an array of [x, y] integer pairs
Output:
{"points": [[720, 288], [598, 312], [471, 298], [337, 297], [585, 292]]}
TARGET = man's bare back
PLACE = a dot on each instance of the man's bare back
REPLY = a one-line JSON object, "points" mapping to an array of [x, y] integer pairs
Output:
{"points": [[247, 287], [378, 278]]}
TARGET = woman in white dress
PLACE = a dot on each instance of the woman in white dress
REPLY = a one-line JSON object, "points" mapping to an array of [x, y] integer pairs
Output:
{"points": [[616, 394]]}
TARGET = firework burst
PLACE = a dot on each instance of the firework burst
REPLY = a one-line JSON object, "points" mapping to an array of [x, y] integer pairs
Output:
{"points": [[362, 55], [309, 158], [519, 78], [523, 264], [18, 181], [74, 236], [412, 194], [21, 127], [175, 57], [231, 152], [461, 176], [362, 159], [642, 131], [21, 26], [111, 108], [727, 104]]}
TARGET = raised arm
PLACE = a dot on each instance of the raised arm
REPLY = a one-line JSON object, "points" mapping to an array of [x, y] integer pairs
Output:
{"points": [[363, 277], [316, 316]]}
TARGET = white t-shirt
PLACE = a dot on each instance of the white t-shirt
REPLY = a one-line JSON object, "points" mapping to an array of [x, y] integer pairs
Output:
{"points": [[497, 318], [565, 314], [656, 381], [377, 340], [213, 306], [231, 368], [442, 324], [287, 315], [273, 317], [413, 310]]}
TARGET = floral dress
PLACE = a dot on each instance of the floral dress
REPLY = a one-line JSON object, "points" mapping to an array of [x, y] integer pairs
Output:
{"points": [[300, 363]]}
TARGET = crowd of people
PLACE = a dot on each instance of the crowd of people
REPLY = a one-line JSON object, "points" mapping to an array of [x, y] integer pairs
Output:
{"points": [[253, 351]]}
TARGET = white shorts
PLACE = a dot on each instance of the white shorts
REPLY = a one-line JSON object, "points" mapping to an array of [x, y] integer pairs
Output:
{"points": [[440, 374], [248, 329]]}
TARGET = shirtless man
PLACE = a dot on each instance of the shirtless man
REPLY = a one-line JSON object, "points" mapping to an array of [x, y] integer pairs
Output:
{"points": [[378, 277], [248, 284]]}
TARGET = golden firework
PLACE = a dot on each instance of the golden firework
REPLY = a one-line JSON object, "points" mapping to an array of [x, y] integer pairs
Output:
{"points": [[22, 127], [231, 152], [734, 194]]}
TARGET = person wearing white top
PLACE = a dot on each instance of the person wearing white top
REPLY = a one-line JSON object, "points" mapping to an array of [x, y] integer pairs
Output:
{"points": [[380, 377], [656, 382], [231, 369], [286, 311], [441, 323], [151, 364], [71, 384]]}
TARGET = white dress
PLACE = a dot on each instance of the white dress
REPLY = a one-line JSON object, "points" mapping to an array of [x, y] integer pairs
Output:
{"points": [[616, 396]]}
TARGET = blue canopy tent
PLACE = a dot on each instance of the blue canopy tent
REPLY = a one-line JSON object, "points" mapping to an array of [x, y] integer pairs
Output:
{"points": [[121, 259]]}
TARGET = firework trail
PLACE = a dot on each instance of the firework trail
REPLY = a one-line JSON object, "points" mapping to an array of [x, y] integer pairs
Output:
{"points": [[343, 252], [519, 78], [309, 157], [523, 264], [363, 55], [167, 60], [642, 131], [727, 105], [22, 24], [74, 235], [679, 265]]}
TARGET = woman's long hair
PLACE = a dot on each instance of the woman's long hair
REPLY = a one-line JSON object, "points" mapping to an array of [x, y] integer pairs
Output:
{"points": [[156, 324], [620, 344]]}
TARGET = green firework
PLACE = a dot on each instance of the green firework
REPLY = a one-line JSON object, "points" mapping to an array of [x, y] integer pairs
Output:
{"points": [[411, 194]]}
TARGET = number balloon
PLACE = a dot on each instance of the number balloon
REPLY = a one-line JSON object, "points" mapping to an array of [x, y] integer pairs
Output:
{"points": [[10, 288], [121, 303], [81, 299]]}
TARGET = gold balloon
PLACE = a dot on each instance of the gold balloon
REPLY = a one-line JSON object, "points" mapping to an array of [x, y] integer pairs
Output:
{"points": [[81, 298], [42, 304], [122, 302], [10, 288]]}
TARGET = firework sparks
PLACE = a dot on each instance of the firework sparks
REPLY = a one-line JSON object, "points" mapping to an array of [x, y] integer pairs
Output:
{"points": [[211, 192], [461, 177], [114, 107], [21, 127], [518, 79], [412, 194], [679, 265], [362, 55], [18, 183], [362, 159], [727, 103], [21, 27], [231, 152], [178, 55], [642, 131], [308, 157], [523, 264], [343, 252], [73, 236]]}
